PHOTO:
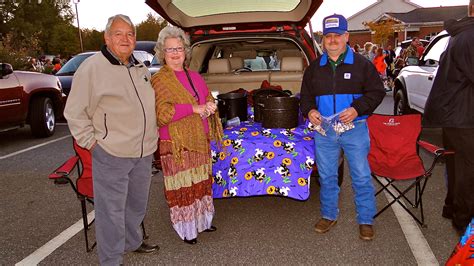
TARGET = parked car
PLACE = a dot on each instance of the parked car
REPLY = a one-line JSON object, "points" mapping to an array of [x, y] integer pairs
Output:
{"points": [[413, 84], [148, 46], [143, 56], [67, 71], [29, 98]]}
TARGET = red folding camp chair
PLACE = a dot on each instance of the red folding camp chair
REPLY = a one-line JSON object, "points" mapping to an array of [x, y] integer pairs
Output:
{"points": [[81, 184], [393, 157]]}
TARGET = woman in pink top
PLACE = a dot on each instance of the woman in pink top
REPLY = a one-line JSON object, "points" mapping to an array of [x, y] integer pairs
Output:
{"points": [[188, 120]]}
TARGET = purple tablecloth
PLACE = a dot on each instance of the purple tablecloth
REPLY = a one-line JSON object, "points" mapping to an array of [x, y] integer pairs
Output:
{"points": [[260, 161]]}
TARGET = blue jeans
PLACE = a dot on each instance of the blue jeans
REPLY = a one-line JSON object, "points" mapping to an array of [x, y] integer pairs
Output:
{"points": [[356, 144]]}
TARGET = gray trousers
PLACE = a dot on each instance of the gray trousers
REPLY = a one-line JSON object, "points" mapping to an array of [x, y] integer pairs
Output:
{"points": [[121, 188]]}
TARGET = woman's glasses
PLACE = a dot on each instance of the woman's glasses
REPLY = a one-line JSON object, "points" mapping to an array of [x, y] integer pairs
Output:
{"points": [[174, 49]]}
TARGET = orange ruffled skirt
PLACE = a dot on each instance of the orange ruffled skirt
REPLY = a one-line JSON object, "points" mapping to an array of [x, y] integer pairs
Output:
{"points": [[188, 190]]}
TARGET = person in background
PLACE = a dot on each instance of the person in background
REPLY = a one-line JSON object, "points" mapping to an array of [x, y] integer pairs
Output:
{"points": [[111, 112], [48, 66], [390, 60], [420, 49], [373, 52], [412, 49], [366, 51], [56, 65], [379, 62], [274, 61], [183, 102], [356, 48], [341, 81], [450, 106], [33, 65]]}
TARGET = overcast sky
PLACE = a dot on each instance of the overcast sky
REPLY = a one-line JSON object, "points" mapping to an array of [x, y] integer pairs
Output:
{"points": [[94, 13]]}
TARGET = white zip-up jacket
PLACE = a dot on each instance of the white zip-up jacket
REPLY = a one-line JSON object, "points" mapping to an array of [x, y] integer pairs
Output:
{"points": [[114, 106]]}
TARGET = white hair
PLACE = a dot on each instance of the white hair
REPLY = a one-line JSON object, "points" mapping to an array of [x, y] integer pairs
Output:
{"points": [[122, 17], [171, 32]]}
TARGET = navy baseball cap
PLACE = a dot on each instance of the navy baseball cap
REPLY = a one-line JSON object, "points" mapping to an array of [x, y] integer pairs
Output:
{"points": [[334, 24]]}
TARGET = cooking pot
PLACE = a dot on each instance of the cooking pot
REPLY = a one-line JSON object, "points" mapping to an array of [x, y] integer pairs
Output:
{"points": [[232, 104], [259, 96], [280, 112]]}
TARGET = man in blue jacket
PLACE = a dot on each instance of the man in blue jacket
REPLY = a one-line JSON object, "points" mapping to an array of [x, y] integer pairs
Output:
{"points": [[344, 82], [450, 105]]}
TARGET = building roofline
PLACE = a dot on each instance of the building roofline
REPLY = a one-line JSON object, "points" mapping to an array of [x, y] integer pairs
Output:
{"points": [[378, 2]]}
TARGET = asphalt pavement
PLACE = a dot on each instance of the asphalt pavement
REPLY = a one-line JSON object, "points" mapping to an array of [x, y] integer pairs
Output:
{"points": [[256, 230]]}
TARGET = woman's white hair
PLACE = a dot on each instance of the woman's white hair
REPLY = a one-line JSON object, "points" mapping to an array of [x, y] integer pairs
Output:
{"points": [[122, 17], [171, 32]]}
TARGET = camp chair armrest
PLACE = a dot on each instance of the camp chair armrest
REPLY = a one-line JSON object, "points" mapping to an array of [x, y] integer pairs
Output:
{"points": [[65, 169], [438, 152], [432, 148]]}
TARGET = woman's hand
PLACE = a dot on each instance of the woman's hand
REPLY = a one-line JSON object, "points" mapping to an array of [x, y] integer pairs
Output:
{"points": [[211, 108], [203, 110], [199, 109]]}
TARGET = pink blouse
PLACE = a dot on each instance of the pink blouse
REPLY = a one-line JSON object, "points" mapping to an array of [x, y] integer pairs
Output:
{"points": [[184, 110]]}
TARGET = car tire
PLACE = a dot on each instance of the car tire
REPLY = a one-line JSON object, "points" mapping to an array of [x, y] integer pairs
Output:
{"points": [[400, 106], [42, 118]]}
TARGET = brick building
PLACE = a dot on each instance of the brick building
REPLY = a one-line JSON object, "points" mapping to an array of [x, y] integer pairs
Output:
{"points": [[412, 19]]}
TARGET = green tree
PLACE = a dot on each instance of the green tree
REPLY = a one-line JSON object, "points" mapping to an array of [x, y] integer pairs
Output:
{"points": [[148, 29], [47, 24], [92, 39], [6, 9], [18, 58]]}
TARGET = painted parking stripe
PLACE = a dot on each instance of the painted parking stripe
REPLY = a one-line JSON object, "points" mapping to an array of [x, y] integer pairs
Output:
{"points": [[416, 240], [33, 147], [48, 248]]}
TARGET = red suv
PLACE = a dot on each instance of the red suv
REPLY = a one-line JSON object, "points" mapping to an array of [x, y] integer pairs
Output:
{"points": [[241, 45], [29, 98]]}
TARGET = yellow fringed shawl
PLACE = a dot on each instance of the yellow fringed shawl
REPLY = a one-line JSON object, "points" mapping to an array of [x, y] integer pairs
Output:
{"points": [[187, 132]]}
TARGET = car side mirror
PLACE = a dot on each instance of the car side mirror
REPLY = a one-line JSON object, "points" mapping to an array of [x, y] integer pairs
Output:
{"points": [[147, 63], [412, 61], [6, 69]]}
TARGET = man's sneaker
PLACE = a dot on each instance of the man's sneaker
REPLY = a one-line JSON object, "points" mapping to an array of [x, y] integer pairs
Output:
{"points": [[366, 232], [324, 225]]}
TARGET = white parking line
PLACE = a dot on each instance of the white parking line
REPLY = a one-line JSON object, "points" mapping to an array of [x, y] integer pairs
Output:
{"points": [[33, 147], [36, 257], [416, 240]]}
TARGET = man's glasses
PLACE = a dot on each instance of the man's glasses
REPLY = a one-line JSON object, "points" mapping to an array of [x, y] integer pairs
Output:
{"points": [[174, 49]]}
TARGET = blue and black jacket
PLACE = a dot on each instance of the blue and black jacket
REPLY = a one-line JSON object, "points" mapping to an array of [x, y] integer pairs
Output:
{"points": [[353, 83]]}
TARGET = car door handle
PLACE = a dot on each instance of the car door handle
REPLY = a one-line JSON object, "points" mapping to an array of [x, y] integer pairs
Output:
{"points": [[430, 77]]}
